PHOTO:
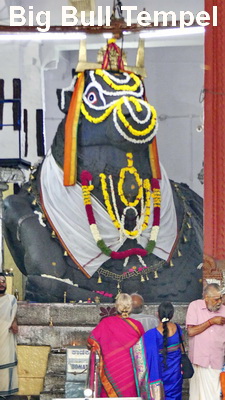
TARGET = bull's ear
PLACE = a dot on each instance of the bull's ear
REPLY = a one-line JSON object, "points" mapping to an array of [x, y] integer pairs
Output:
{"points": [[64, 98], [64, 95]]}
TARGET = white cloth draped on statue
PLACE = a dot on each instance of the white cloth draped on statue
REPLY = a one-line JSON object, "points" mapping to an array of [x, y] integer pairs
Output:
{"points": [[66, 213], [8, 358]]}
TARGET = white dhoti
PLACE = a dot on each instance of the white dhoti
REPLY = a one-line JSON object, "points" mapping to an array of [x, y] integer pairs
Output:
{"points": [[8, 358], [205, 384]]}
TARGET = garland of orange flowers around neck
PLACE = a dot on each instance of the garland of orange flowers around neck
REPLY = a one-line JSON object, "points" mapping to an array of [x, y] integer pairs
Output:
{"points": [[87, 187]]}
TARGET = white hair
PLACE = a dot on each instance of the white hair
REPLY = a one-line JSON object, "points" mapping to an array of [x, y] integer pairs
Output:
{"points": [[123, 303]]}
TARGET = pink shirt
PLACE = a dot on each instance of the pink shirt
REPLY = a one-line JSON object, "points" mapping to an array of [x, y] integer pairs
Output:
{"points": [[207, 348]]}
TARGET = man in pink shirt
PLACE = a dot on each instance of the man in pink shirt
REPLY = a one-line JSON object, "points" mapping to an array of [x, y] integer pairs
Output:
{"points": [[205, 325]]}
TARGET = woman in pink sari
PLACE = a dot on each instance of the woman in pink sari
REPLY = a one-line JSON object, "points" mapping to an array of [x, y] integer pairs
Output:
{"points": [[112, 339]]}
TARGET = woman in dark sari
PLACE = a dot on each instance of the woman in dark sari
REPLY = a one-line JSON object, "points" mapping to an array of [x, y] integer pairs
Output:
{"points": [[157, 359], [111, 340]]}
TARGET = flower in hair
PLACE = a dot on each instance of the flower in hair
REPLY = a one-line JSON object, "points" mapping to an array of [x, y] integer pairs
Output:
{"points": [[165, 320]]}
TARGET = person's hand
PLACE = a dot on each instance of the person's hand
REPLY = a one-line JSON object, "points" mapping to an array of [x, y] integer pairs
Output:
{"points": [[14, 327], [217, 321]]}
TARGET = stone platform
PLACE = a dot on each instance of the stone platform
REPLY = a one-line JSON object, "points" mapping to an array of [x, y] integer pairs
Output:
{"points": [[59, 325]]}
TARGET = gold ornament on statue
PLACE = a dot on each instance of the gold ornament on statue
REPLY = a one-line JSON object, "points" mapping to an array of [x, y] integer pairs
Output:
{"points": [[113, 57], [138, 69]]}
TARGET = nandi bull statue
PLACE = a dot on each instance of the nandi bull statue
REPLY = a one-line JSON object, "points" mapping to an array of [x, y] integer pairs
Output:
{"points": [[100, 216]]}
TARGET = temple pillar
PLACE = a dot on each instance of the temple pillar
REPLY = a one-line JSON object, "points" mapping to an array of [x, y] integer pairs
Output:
{"points": [[214, 146]]}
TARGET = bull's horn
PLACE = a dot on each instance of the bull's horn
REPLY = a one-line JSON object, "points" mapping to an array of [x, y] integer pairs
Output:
{"points": [[82, 64], [140, 59], [82, 52]]}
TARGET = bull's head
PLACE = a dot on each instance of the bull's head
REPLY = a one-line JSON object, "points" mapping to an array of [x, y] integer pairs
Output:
{"points": [[111, 106], [114, 101]]}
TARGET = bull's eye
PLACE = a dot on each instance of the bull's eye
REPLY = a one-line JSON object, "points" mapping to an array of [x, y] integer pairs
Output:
{"points": [[92, 98]]}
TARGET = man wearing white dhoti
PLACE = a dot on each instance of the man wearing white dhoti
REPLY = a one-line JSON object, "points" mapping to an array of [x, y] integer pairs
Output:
{"points": [[8, 329], [205, 323]]}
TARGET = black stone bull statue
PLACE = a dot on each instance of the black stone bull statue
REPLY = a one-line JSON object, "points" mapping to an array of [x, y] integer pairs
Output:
{"points": [[100, 216]]}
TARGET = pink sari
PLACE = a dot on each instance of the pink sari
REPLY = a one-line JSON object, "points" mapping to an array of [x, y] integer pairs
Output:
{"points": [[112, 339]]}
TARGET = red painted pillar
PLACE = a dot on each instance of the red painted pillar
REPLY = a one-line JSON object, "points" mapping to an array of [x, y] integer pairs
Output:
{"points": [[214, 144]]}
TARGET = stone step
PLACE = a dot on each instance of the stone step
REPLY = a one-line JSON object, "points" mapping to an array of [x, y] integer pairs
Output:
{"points": [[54, 383], [50, 396], [56, 336], [61, 314], [56, 363]]}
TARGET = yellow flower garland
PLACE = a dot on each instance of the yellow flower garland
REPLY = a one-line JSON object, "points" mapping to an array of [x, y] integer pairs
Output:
{"points": [[107, 200], [118, 105], [114, 86], [119, 255], [146, 185], [157, 197], [132, 170], [133, 131], [108, 205], [86, 193]]}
